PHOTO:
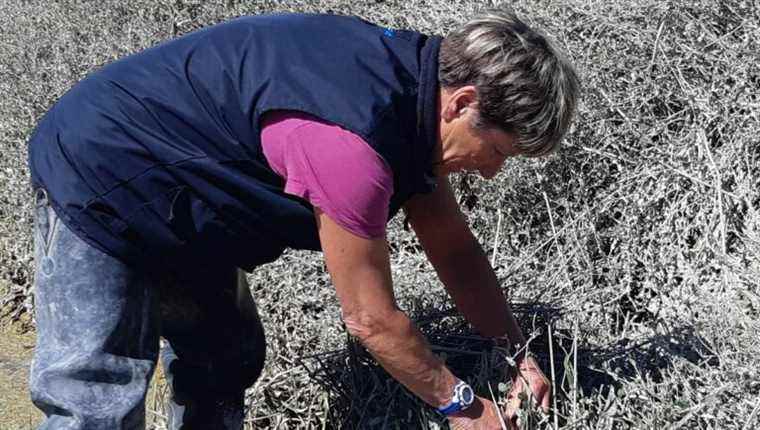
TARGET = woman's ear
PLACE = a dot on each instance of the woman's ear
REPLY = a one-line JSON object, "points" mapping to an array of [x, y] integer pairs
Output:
{"points": [[466, 98], [456, 103]]}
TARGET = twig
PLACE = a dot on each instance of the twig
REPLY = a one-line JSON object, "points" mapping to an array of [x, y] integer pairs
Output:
{"points": [[526, 259], [699, 181], [496, 240], [575, 370], [560, 249], [436, 348], [498, 409], [696, 408], [724, 36], [718, 188], [752, 416], [620, 112], [554, 377], [656, 45]]}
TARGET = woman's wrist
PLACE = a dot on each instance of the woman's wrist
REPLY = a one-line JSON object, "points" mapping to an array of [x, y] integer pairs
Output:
{"points": [[446, 391], [482, 412], [474, 411]]}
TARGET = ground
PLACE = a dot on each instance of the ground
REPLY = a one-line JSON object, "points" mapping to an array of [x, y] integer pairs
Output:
{"points": [[16, 410]]}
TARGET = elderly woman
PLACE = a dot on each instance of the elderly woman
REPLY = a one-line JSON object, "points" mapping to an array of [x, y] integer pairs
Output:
{"points": [[161, 174]]}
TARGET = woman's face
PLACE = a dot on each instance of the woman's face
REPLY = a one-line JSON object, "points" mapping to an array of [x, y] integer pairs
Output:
{"points": [[467, 148]]}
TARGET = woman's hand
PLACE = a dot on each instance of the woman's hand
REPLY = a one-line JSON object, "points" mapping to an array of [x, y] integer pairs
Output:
{"points": [[530, 380], [483, 414]]}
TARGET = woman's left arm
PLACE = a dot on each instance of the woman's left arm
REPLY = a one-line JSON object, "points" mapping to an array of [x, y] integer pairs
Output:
{"points": [[460, 262], [464, 269]]}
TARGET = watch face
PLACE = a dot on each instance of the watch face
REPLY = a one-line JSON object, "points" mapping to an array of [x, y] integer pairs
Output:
{"points": [[466, 395]]}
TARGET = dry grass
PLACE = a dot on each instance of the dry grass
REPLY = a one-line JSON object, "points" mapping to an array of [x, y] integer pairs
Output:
{"points": [[637, 247], [16, 410]]}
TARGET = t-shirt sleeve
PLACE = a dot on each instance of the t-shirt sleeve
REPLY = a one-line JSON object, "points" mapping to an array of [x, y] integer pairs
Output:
{"points": [[333, 169]]}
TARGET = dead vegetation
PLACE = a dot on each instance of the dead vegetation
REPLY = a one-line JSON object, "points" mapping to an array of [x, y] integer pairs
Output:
{"points": [[634, 253]]}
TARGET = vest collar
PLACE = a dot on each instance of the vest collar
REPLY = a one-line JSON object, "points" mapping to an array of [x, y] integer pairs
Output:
{"points": [[427, 114]]}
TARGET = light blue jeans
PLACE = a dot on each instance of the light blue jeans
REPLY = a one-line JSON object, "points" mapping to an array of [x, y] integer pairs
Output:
{"points": [[98, 327]]}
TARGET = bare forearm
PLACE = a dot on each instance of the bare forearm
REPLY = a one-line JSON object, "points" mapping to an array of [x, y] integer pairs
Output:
{"points": [[402, 350], [361, 273], [473, 286], [461, 263]]}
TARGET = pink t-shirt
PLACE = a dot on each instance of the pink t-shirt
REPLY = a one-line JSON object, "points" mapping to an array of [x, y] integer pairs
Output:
{"points": [[330, 167]]}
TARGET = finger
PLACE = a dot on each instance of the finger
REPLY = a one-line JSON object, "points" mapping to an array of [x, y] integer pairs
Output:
{"points": [[513, 404], [512, 424], [545, 402]]}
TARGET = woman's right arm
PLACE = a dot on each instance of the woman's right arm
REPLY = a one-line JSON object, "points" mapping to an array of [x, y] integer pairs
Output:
{"points": [[360, 271]]}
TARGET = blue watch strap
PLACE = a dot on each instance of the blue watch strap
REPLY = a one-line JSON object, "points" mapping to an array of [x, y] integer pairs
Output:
{"points": [[452, 408]]}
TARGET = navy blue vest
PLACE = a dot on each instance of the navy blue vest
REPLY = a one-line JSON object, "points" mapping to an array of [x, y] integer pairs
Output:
{"points": [[156, 158]]}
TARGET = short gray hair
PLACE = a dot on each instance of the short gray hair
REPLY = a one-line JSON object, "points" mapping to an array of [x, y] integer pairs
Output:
{"points": [[524, 84]]}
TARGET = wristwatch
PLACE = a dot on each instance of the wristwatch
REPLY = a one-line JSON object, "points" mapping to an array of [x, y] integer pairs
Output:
{"points": [[461, 399]]}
